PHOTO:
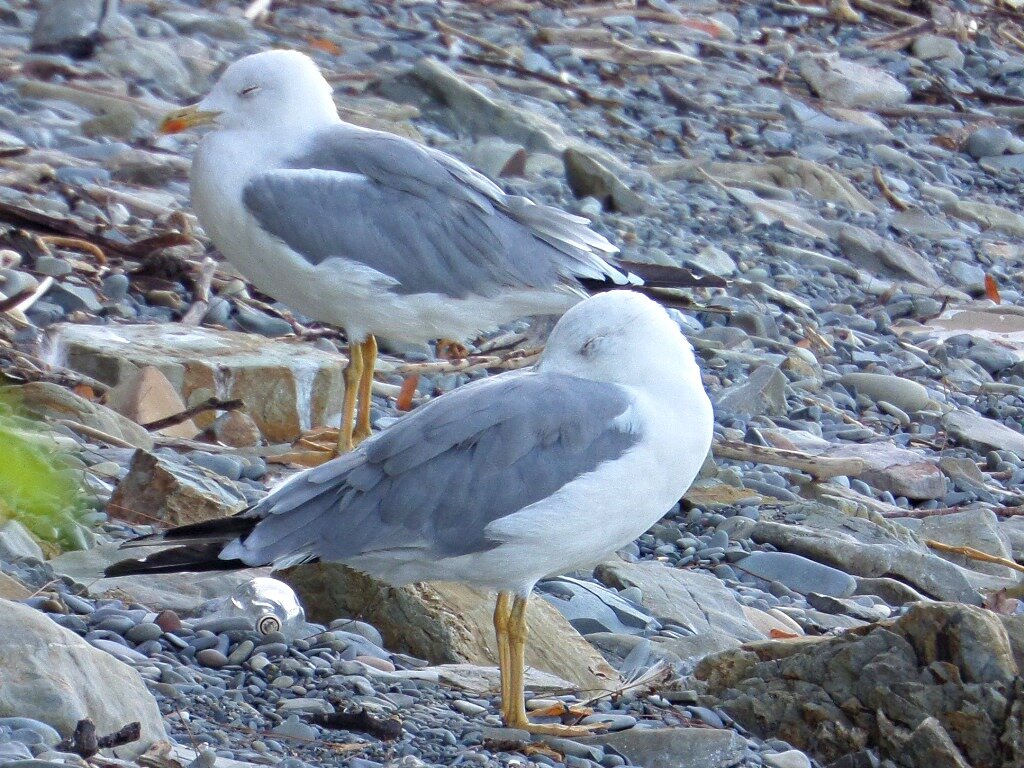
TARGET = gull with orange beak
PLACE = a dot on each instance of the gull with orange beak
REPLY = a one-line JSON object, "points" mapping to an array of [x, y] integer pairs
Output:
{"points": [[369, 230]]}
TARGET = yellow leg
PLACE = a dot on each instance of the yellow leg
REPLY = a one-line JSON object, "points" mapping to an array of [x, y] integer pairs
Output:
{"points": [[353, 374], [369, 361], [501, 621], [514, 708]]}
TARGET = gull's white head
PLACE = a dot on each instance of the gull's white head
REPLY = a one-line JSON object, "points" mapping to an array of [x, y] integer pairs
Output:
{"points": [[264, 92], [624, 338]]}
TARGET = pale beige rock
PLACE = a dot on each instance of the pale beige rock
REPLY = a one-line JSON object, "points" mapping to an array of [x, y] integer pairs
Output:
{"points": [[147, 397], [287, 386], [885, 257], [447, 622], [157, 488], [982, 433], [897, 470], [886, 466], [236, 429], [817, 180], [990, 216], [904, 393], [975, 528], [51, 674], [54, 402], [12, 589], [766, 622], [850, 83], [589, 177]]}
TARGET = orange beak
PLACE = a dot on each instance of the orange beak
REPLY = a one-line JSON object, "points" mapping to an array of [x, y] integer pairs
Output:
{"points": [[189, 117]]}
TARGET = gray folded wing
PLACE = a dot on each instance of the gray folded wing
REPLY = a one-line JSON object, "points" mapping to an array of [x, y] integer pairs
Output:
{"points": [[434, 481], [422, 219]]}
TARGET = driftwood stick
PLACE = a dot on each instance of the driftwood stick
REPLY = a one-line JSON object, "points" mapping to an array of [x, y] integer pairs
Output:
{"points": [[386, 729], [95, 434], [37, 369], [131, 732], [6, 305], [85, 743], [212, 404], [201, 294], [919, 513], [78, 244], [974, 554], [516, 359], [821, 467]]}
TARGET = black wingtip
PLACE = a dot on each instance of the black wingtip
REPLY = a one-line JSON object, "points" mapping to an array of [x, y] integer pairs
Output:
{"points": [[193, 559], [661, 276]]}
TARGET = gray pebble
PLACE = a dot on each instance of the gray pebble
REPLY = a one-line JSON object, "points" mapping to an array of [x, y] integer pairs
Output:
{"points": [[211, 657]]}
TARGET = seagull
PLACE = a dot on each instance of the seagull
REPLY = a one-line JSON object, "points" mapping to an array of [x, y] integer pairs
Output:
{"points": [[498, 483], [372, 231]]}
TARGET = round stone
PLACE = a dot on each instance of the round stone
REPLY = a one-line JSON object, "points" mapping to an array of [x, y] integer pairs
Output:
{"points": [[211, 657]]}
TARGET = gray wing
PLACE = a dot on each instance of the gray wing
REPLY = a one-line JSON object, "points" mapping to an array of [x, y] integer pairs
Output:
{"points": [[436, 479], [423, 219]]}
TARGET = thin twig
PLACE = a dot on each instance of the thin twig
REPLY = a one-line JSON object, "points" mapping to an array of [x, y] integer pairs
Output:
{"points": [[386, 729], [514, 361], [479, 42], [78, 244], [201, 294], [211, 404], [886, 190], [95, 434], [974, 554], [821, 467]]}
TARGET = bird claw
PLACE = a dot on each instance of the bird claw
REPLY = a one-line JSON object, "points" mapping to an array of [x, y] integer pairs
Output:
{"points": [[562, 710], [447, 349]]}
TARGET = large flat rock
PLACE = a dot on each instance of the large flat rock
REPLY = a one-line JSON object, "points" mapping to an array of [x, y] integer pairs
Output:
{"points": [[982, 433], [676, 747], [447, 622], [874, 548], [287, 386], [975, 528], [177, 493], [51, 674], [696, 600], [55, 403]]}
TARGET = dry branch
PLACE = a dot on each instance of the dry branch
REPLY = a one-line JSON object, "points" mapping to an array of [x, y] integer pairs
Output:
{"points": [[820, 467], [201, 294], [974, 554], [212, 404]]}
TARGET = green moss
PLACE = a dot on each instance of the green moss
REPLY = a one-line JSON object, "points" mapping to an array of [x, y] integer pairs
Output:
{"points": [[39, 485]]}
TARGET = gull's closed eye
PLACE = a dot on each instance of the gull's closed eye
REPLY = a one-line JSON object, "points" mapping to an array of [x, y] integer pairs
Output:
{"points": [[591, 345], [249, 90]]}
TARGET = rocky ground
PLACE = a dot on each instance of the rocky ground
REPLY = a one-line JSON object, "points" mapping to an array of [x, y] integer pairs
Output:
{"points": [[839, 588]]}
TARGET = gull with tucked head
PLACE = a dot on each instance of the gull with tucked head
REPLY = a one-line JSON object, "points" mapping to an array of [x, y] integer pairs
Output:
{"points": [[498, 483], [369, 230]]}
